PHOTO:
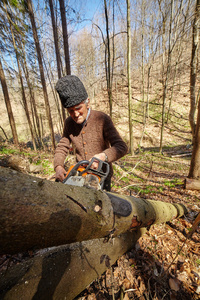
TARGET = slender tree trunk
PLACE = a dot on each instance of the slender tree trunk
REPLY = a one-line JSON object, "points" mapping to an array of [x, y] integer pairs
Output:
{"points": [[58, 59], [55, 35], [195, 160], [54, 93], [33, 135], [129, 77], [179, 52], [39, 56], [143, 78], [143, 50], [8, 105], [65, 36], [113, 46], [35, 116], [194, 68], [108, 60], [167, 77]]}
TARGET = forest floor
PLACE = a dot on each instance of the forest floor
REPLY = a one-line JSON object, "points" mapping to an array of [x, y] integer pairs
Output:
{"points": [[165, 262]]}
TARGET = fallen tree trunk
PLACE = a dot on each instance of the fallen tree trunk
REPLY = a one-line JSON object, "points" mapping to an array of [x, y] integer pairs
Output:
{"points": [[37, 213], [192, 184], [63, 272]]}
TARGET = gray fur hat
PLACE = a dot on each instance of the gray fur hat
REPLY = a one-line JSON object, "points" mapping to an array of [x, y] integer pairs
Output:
{"points": [[71, 90]]}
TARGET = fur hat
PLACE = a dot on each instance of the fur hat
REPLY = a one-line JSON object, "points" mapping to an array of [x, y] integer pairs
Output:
{"points": [[71, 90]]}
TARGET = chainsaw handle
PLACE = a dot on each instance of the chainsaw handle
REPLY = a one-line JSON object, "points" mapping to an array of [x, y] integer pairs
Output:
{"points": [[99, 171]]}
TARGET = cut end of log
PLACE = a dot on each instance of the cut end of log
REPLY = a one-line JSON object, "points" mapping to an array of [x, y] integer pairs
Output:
{"points": [[192, 184]]}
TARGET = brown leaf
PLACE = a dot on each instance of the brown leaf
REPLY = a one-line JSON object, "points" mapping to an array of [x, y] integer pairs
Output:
{"points": [[126, 297], [174, 284], [130, 276], [198, 290], [183, 276], [91, 297], [126, 284]]}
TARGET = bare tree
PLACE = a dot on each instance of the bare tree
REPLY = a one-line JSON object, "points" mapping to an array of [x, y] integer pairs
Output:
{"points": [[65, 36], [55, 34], [58, 58], [25, 105], [165, 81], [195, 161], [34, 110], [108, 59], [194, 69], [129, 76], [8, 105], [43, 81]]}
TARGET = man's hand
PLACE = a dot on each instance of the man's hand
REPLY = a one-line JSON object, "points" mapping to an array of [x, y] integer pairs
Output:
{"points": [[102, 156], [60, 173]]}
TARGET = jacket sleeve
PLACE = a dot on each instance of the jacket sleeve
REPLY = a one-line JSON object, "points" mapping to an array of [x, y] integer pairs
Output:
{"points": [[118, 147]]}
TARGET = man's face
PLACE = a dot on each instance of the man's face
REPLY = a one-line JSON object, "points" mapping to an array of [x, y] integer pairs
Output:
{"points": [[79, 112]]}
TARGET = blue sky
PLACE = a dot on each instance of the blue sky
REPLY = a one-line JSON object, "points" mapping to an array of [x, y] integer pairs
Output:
{"points": [[91, 7]]}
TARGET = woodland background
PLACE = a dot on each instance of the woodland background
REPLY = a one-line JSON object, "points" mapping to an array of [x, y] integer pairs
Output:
{"points": [[40, 41], [43, 40]]}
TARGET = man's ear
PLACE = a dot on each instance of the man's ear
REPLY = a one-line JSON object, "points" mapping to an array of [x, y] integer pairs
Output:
{"points": [[88, 103]]}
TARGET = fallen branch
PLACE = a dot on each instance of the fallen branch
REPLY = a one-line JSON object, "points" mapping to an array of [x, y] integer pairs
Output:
{"points": [[182, 154]]}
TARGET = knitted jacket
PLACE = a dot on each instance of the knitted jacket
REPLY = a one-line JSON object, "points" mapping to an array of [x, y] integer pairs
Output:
{"points": [[97, 135]]}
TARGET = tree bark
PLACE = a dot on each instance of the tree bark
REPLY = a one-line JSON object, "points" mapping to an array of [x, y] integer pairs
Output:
{"points": [[165, 85], [57, 51], [55, 35], [195, 160], [129, 77], [108, 59], [63, 272], [38, 213], [65, 37], [192, 184], [8, 105], [194, 68], [34, 110]]}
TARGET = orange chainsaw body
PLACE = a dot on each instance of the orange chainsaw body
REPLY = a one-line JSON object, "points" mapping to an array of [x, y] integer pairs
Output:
{"points": [[78, 174], [81, 170]]}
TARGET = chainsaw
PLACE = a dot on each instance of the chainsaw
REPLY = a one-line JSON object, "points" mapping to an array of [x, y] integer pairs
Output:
{"points": [[82, 174]]}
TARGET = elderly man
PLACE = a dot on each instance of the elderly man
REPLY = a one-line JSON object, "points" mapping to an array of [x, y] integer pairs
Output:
{"points": [[91, 132]]}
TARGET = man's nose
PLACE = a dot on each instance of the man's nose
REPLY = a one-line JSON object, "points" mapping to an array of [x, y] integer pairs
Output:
{"points": [[76, 113]]}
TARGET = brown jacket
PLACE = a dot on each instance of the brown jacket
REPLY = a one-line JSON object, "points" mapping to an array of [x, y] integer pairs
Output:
{"points": [[97, 135]]}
